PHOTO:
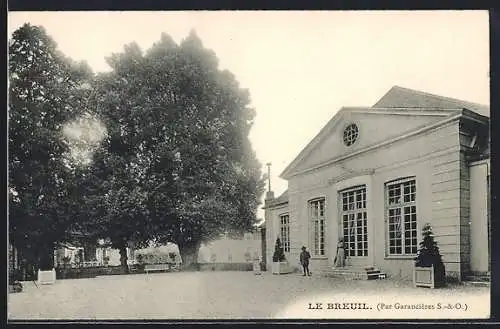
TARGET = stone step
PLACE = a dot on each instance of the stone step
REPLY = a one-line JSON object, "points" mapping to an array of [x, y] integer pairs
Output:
{"points": [[485, 279], [358, 276], [351, 272], [477, 283], [478, 276], [353, 268]]}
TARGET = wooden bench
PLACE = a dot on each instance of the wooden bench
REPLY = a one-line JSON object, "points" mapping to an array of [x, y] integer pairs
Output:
{"points": [[156, 267]]}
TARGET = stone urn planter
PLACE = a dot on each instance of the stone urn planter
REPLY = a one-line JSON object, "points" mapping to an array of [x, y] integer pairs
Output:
{"points": [[47, 277]]}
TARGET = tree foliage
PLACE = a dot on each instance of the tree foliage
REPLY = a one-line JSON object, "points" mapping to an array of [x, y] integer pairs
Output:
{"points": [[177, 163], [173, 161], [46, 89], [428, 253]]}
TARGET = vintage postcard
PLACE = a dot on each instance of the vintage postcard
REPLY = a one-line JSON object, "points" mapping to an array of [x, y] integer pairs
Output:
{"points": [[249, 165]]}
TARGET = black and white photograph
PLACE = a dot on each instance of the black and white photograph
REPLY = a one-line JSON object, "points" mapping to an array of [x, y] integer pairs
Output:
{"points": [[248, 165]]}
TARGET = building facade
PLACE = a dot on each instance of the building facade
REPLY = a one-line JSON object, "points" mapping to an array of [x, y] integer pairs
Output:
{"points": [[375, 175], [232, 250]]}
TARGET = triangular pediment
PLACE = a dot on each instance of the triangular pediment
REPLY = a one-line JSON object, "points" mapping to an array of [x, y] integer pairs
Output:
{"points": [[374, 126]]}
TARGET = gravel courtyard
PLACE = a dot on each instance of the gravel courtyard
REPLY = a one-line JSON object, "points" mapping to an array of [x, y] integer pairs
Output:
{"points": [[242, 295]]}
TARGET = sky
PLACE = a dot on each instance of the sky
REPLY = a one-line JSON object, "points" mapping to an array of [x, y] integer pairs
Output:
{"points": [[300, 67]]}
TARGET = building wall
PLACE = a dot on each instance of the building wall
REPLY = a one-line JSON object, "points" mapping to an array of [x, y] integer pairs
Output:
{"points": [[433, 157], [231, 250], [479, 216], [272, 231], [464, 213], [71, 253], [113, 254], [373, 128], [400, 266]]}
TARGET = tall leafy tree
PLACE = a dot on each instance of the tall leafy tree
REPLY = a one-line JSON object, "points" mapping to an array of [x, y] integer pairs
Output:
{"points": [[220, 182], [178, 162], [120, 194], [46, 89]]}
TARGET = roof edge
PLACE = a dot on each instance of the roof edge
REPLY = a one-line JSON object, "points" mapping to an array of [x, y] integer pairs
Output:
{"points": [[310, 146]]}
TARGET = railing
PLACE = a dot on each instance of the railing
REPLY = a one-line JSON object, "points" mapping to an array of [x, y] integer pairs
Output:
{"points": [[82, 264]]}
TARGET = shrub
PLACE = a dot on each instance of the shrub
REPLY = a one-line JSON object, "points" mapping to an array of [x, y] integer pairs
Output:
{"points": [[155, 257], [279, 254], [428, 253]]}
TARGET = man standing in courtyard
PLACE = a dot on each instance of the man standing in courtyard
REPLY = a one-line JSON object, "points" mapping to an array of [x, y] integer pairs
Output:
{"points": [[304, 261]]}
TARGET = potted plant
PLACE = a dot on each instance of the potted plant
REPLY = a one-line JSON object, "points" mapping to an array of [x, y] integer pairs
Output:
{"points": [[105, 260], [429, 268], [280, 265]]}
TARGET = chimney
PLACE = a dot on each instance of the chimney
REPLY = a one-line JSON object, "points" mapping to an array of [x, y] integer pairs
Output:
{"points": [[270, 193]]}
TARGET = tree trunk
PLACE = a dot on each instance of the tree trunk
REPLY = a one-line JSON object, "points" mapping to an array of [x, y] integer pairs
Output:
{"points": [[189, 255], [123, 259], [46, 257]]}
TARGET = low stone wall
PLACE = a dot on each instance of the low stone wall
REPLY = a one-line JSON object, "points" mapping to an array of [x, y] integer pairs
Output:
{"points": [[226, 266], [87, 272], [92, 272]]}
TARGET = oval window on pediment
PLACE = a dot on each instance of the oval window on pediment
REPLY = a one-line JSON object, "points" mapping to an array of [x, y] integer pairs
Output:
{"points": [[351, 133]]}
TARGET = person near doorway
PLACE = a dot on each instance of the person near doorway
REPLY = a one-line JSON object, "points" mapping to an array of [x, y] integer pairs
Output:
{"points": [[304, 261], [339, 260]]}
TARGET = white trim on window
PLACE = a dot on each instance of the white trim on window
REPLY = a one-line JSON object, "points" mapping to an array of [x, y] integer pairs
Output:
{"points": [[285, 231], [317, 215], [401, 229], [354, 218]]}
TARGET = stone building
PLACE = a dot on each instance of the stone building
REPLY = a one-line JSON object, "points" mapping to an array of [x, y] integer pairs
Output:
{"points": [[375, 175]]}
